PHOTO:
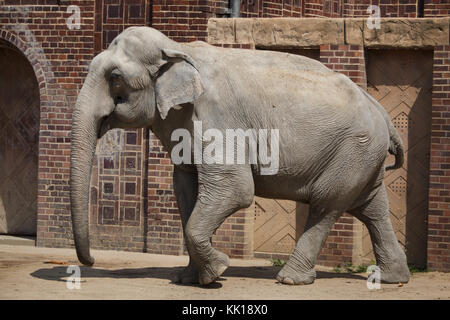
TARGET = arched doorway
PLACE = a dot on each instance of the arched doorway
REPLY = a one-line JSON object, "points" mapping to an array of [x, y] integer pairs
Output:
{"points": [[19, 137]]}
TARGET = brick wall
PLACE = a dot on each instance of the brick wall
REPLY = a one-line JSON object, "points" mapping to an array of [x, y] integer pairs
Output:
{"points": [[132, 202], [339, 8], [347, 59], [436, 8], [403, 9], [185, 20], [59, 57], [118, 209], [270, 9], [113, 16], [438, 257], [164, 223]]}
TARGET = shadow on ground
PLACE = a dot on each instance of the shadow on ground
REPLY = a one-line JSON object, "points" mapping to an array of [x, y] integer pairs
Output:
{"points": [[60, 274]]}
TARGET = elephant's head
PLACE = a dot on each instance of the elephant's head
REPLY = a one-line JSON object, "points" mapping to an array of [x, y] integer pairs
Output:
{"points": [[137, 80]]}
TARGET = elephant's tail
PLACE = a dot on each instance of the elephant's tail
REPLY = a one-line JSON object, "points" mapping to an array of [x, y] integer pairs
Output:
{"points": [[396, 147]]}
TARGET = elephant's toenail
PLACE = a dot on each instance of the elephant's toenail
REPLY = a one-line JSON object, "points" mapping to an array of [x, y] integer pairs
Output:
{"points": [[288, 281]]}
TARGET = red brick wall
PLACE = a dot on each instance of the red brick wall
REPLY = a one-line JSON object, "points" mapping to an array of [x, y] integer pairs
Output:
{"points": [[338, 8], [164, 223], [320, 8], [437, 8], [438, 257], [60, 58], [132, 201], [185, 20], [113, 16], [271, 8], [358, 8], [347, 59], [117, 209]]}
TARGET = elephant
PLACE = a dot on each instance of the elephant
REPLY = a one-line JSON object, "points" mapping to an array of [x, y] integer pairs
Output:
{"points": [[334, 139]]}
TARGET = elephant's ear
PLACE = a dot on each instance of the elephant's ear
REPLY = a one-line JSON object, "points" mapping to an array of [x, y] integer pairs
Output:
{"points": [[178, 82]]}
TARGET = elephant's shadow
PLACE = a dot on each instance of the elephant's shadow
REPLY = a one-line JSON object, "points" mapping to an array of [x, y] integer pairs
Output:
{"points": [[256, 272]]}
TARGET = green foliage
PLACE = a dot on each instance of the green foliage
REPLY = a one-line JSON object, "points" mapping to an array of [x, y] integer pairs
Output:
{"points": [[278, 262], [337, 269], [349, 268], [360, 269], [414, 269]]}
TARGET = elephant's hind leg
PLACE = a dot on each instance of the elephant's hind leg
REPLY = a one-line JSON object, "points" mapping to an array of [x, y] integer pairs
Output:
{"points": [[389, 255], [300, 267]]}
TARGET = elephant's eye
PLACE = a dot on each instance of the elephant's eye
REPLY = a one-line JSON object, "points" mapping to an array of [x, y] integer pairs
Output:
{"points": [[115, 74], [115, 79], [119, 100]]}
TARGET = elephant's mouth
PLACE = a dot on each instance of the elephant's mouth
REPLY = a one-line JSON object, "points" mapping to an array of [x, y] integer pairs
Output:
{"points": [[104, 126]]}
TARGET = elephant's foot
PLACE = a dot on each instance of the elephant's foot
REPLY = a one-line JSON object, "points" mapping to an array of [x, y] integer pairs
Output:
{"points": [[395, 272], [211, 271], [188, 275], [289, 275]]}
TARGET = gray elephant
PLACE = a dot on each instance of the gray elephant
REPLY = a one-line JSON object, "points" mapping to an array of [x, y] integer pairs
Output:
{"points": [[333, 142]]}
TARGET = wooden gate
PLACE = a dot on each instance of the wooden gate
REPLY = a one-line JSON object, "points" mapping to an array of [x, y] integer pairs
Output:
{"points": [[401, 80], [19, 128], [278, 225]]}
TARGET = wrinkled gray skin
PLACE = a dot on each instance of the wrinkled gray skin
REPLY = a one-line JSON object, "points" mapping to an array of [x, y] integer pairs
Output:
{"points": [[334, 139]]}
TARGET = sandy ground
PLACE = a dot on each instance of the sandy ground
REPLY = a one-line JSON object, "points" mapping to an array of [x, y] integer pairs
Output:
{"points": [[24, 274]]}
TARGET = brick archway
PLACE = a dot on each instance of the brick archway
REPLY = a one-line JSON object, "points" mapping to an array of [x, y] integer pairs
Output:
{"points": [[19, 136], [33, 56]]}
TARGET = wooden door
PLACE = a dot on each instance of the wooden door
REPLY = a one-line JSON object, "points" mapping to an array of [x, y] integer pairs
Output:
{"points": [[19, 130], [401, 80], [278, 225]]}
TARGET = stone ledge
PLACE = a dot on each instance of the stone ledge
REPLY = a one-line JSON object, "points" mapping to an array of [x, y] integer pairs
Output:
{"points": [[313, 32], [276, 31], [399, 32]]}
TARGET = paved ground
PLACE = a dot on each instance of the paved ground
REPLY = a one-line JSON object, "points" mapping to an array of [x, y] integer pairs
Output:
{"points": [[24, 274]]}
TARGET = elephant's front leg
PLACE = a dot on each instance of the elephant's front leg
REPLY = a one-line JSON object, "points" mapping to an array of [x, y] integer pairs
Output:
{"points": [[186, 189], [222, 190]]}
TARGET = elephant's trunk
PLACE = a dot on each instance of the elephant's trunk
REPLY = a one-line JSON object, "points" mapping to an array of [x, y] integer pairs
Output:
{"points": [[91, 107]]}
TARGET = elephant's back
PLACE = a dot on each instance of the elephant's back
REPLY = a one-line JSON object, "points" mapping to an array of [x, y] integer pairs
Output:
{"points": [[278, 87], [282, 60], [238, 58]]}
